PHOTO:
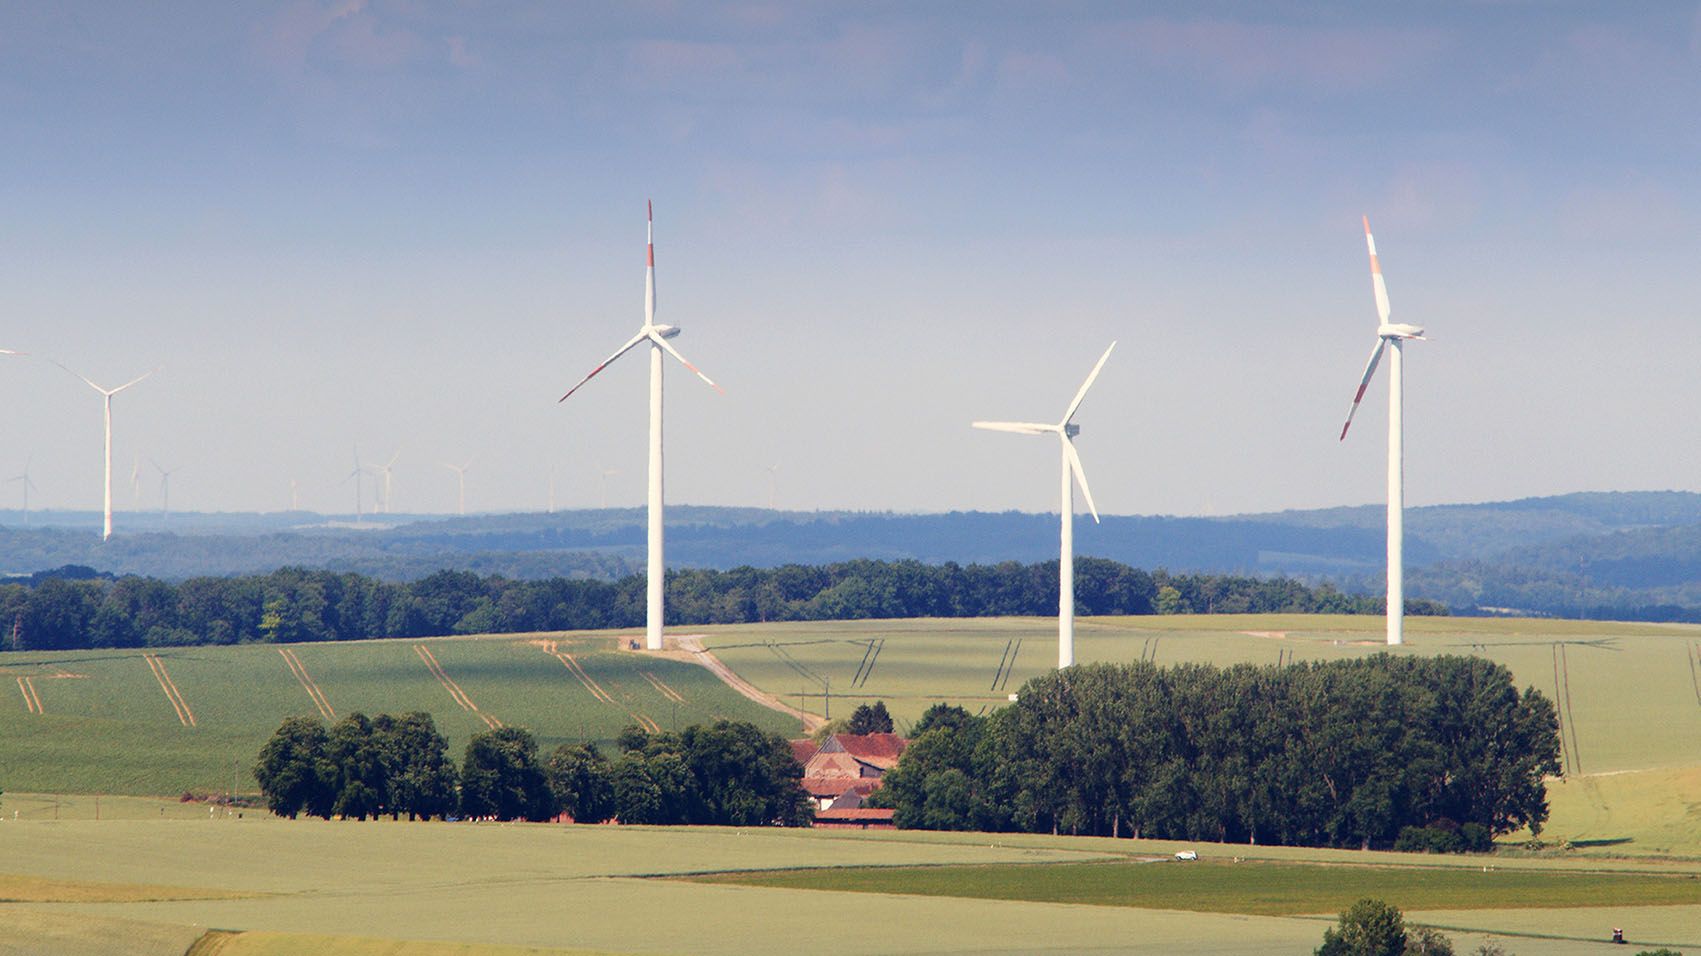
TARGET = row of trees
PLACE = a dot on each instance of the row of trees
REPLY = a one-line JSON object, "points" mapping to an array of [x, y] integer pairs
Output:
{"points": [[728, 773], [294, 605], [1343, 753]]}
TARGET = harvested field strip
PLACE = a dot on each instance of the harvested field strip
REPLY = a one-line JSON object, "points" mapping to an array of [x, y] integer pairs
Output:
{"points": [[313, 692], [31, 889], [32, 700], [661, 685], [454, 689], [1254, 888], [185, 716]]}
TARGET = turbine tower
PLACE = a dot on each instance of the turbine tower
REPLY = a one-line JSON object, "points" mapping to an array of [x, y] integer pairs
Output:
{"points": [[384, 471], [1065, 430], [164, 487], [26, 483], [106, 401], [1389, 334], [461, 476], [606, 473], [657, 336]]}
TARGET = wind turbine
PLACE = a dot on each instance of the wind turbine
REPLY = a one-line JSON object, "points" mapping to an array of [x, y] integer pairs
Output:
{"points": [[1065, 430], [294, 495], [106, 400], [164, 486], [1389, 334], [26, 483], [606, 473], [657, 336], [136, 483], [385, 470], [359, 515], [461, 475]]}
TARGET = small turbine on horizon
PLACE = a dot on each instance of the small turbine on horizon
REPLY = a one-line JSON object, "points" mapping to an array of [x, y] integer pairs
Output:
{"points": [[1389, 334], [383, 471], [27, 484], [106, 402], [1065, 430], [461, 478], [164, 487], [657, 336]]}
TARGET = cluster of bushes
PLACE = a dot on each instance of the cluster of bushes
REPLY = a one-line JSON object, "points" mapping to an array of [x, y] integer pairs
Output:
{"points": [[727, 773], [1343, 753], [76, 609]]}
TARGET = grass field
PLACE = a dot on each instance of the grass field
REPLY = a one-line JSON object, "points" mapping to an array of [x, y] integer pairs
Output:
{"points": [[350, 888], [1258, 888], [107, 725]]}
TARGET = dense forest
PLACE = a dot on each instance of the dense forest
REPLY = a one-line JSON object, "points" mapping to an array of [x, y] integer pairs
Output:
{"points": [[77, 609], [1438, 752]]}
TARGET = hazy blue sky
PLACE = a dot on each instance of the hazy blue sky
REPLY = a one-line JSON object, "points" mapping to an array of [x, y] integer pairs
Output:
{"points": [[410, 226]]}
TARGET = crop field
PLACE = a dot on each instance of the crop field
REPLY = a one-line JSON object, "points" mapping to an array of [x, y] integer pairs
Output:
{"points": [[1630, 693], [166, 721], [301, 887]]}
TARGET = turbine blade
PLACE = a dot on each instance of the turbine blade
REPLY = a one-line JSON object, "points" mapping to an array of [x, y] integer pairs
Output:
{"points": [[605, 363], [668, 347], [1020, 428], [1080, 475], [1376, 284], [86, 380], [1363, 383], [135, 380], [1086, 385], [12, 352]]}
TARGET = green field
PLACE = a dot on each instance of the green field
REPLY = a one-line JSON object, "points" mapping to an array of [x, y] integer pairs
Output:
{"points": [[608, 889], [107, 726], [1254, 887], [1630, 808]]}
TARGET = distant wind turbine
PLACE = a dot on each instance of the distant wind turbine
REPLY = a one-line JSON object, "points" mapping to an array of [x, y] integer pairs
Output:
{"points": [[294, 495], [606, 474], [1389, 334], [773, 486], [358, 472], [106, 402], [384, 471], [460, 476], [1065, 430], [164, 486], [136, 483], [657, 336], [24, 481]]}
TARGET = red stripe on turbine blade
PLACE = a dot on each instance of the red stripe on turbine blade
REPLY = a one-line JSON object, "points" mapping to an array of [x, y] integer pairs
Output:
{"points": [[652, 251], [1344, 428], [1356, 398], [650, 212], [1375, 266], [1366, 224]]}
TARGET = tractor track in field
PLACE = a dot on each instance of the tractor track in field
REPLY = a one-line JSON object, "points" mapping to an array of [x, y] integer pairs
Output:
{"points": [[314, 694], [553, 649], [185, 716], [455, 692], [32, 700]]}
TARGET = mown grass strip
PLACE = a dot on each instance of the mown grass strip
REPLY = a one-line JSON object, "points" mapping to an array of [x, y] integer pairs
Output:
{"points": [[31, 889], [1258, 889], [227, 943]]}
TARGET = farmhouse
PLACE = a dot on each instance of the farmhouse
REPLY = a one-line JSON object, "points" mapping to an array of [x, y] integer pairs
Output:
{"points": [[842, 771]]}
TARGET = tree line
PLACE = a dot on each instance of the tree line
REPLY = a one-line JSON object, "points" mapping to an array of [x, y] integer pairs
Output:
{"points": [[728, 773], [75, 608], [1359, 753]]}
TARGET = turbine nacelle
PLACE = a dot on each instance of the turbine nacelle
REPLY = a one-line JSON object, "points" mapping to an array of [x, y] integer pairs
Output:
{"points": [[665, 331], [1398, 330], [1070, 429]]}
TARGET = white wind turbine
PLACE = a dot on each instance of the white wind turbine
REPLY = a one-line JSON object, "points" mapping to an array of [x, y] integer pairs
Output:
{"points": [[164, 486], [657, 336], [460, 476], [384, 471], [358, 472], [1065, 430], [606, 473], [27, 484], [106, 401], [1389, 334]]}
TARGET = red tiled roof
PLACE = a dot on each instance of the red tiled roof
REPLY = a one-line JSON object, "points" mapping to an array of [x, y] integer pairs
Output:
{"points": [[833, 786], [882, 750], [803, 750]]}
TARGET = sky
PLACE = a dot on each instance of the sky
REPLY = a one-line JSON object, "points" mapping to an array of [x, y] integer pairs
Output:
{"points": [[406, 228]]}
